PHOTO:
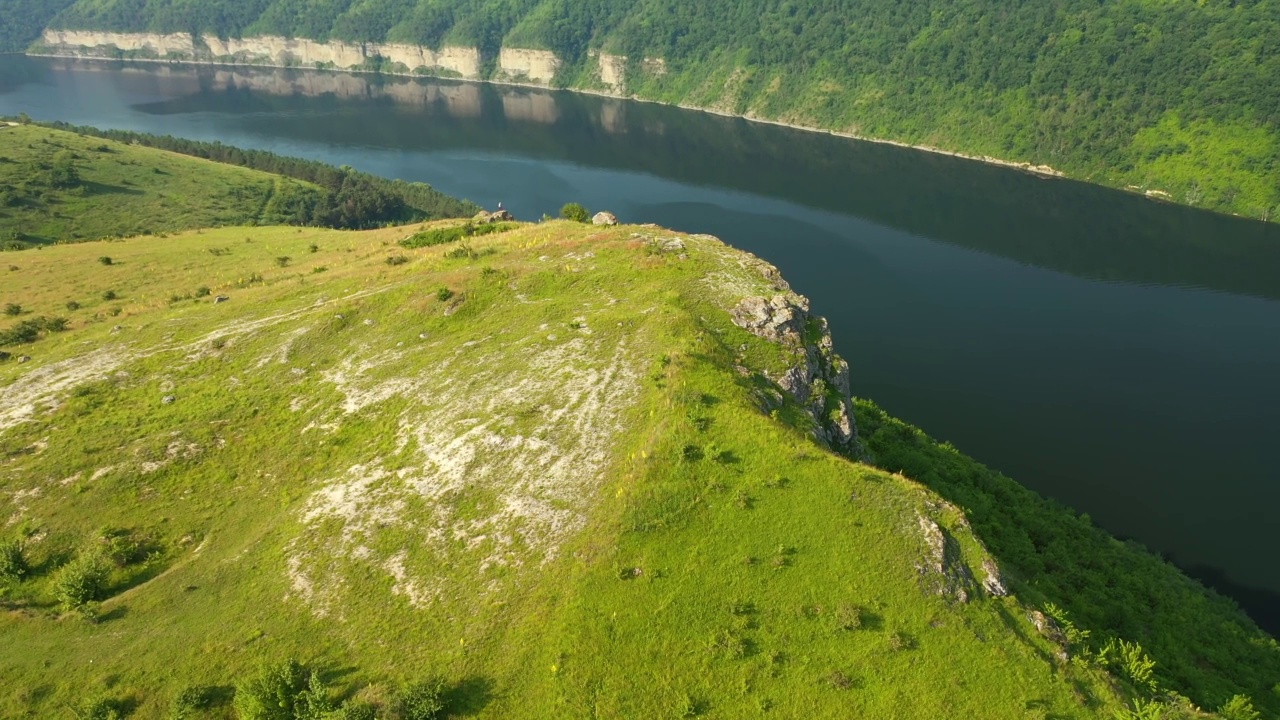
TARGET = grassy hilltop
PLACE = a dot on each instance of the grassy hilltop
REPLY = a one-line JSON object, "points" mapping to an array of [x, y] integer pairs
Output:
{"points": [[541, 472], [65, 184], [530, 468]]}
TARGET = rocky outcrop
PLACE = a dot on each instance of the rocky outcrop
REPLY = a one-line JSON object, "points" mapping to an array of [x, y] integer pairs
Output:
{"points": [[613, 71], [819, 378], [501, 215], [943, 571], [160, 45], [604, 218], [462, 61], [538, 66], [266, 50], [993, 583]]}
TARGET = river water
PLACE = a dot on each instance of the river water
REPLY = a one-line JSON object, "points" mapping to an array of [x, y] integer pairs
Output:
{"points": [[1116, 353]]}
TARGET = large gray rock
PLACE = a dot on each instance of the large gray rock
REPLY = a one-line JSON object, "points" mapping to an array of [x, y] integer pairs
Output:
{"points": [[819, 378], [604, 218], [499, 215]]}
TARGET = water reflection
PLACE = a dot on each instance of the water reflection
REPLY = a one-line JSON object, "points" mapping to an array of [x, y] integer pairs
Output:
{"points": [[1057, 224]]}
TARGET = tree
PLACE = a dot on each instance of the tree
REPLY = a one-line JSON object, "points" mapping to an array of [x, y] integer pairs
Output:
{"points": [[63, 174], [574, 211]]}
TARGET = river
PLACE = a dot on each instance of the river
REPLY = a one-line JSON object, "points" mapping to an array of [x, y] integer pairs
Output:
{"points": [[1116, 353]]}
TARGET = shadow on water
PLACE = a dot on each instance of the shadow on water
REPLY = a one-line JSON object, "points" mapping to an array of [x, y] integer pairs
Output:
{"points": [[1261, 604]]}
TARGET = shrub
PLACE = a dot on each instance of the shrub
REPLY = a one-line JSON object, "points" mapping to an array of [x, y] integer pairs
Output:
{"points": [[73, 305], [203, 291], [190, 701], [80, 581], [99, 709], [397, 260], [355, 710], [423, 700], [848, 617], [901, 641], [119, 546], [29, 330], [575, 212], [313, 248], [443, 294], [13, 309], [109, 295], [13, 566], [462, 251], [839, 680], [271, 694], [1238, 708], [105, 260], [441, 236], [313, 703], [283, 260]]}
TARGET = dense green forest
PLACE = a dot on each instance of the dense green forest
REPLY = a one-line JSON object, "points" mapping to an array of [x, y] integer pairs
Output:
{"points": [[1178, 98], [23, 21]]}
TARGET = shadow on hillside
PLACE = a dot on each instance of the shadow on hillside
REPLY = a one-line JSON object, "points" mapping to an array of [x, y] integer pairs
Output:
{"points": [[469, 696], [97, 188]]}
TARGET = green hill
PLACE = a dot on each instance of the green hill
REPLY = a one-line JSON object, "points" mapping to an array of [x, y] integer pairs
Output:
{"points": [[571, 471], [75, 184], [1177, 99]]}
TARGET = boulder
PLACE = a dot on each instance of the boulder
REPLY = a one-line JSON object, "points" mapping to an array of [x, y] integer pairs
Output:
{"points": [[167, 400], [499, 215], [604, 218], [220, 299]]}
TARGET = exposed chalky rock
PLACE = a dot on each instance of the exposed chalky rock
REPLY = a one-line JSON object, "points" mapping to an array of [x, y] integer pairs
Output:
{"points": [[604, 218], [942, 570], [993, 583], [167, 400]]}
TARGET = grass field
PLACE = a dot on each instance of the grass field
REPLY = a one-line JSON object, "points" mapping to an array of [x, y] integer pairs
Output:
{"points": [[61, 187], [475, 466]]}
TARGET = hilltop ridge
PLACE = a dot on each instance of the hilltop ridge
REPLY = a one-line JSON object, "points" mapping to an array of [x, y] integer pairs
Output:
{"points": [[502, 458]]}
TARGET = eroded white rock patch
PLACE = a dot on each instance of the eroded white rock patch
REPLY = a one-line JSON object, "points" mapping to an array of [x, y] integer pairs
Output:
{"points": [[497, 464]]}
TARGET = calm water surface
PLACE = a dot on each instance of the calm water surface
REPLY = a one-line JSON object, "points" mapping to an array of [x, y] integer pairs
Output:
{"points": [[1120, 355]]}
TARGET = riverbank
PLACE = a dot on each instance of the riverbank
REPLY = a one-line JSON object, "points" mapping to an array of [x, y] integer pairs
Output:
{"points": [[1039, 170], [1035, 169]]}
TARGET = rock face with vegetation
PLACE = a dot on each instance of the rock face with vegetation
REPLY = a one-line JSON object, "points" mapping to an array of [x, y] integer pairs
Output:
{"points": [[1177, 101], [518, 470]]}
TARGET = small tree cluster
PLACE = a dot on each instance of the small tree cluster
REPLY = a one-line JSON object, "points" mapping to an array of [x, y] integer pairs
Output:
{"points": [[575, 212], [80, 581], [13, 565], [290, 691]]}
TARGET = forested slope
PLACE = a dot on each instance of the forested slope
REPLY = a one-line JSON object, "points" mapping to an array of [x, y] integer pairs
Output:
{"points": [[1178, 98], [60, 183]]}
